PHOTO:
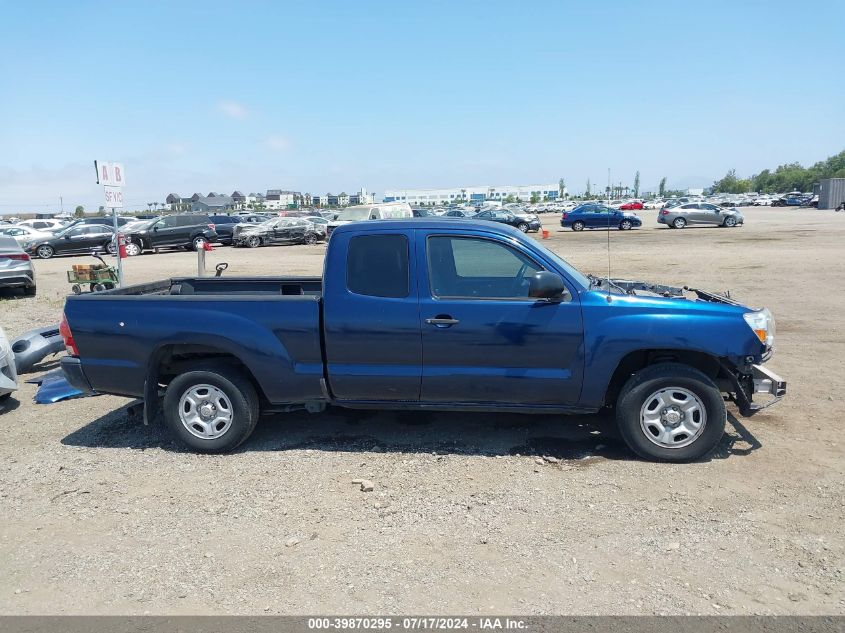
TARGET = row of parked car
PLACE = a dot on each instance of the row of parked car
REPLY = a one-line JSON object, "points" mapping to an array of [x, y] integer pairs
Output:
{"points": [[47, 238], [674, 214]]}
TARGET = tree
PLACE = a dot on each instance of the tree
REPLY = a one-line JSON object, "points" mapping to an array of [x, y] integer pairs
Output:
{"points": [[662, 189], [587, 192], [79, 212], [561, 188], [534, 198], [637, 185]]}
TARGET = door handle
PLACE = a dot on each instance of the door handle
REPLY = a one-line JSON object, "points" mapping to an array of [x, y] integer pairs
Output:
{"points": [[442, 320]]}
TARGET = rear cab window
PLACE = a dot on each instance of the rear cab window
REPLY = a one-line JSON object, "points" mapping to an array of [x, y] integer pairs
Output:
{"points": [[378, 266]]}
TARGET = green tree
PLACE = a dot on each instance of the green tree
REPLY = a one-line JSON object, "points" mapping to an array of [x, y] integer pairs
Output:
{"points": [[79, 212], [637, 185], [534, 198], [561, 188], [509, 198], [587, 192], [662, 189]]}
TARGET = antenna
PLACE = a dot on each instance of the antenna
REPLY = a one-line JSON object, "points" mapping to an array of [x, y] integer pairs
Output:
{"points": [[608, 231]]}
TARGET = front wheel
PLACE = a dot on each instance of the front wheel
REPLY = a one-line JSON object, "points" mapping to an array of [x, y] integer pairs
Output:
{"points": [[578, 226], [132, 249], [310, 239], [625, 225], [730, 221], [211, 409], [523, 226], [253, 241], [45, 252], [671, 412], [199, 243]]}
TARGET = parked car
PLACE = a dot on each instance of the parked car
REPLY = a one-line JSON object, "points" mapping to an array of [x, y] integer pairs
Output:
{"points": [[427, 314], [279, 231], [23, 234], [381, 211], [181, 230], [633, 205], [318, 220], [42, 225], [522, 223], [15, 267], [597, 216], [793, 200], [76, 240], [8, 370], [699, 213], [224, 225], [457, 213], [105, 219]]}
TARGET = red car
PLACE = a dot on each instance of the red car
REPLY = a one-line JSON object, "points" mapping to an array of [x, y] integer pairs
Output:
{"points": [[631, 206]]}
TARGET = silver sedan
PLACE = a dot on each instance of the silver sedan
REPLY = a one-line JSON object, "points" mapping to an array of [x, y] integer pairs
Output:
{"points": [[699, 213]]}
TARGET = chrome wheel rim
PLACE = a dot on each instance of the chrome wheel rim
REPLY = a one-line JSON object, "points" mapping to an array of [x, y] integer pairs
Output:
{"points": [[626, 225], [198, 243], [132, 249], [680, 223], [673, 417], [523, 227], [730, 221], [45, 252], [253, 242], [205, 412]]}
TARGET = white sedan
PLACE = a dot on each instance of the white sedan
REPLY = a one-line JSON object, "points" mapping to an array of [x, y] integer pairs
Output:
{"points": [[24, 233]]}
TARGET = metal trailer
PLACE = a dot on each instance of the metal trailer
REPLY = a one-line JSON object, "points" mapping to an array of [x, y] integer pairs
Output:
{"points": [[831, 193]]}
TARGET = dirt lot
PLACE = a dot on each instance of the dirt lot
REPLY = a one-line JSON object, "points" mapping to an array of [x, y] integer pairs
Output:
{"points": [[102, 515]]}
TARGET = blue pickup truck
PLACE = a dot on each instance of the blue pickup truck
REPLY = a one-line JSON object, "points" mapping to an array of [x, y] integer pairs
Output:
{"points": [[427, 314]]}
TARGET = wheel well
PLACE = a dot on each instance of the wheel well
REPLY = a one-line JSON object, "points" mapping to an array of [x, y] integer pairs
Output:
{"points": [[640, 359], [171, 360]]}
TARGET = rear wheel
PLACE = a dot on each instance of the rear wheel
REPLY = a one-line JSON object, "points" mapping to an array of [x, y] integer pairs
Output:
{"points": [[578, 225], [671, 412], [211, 409], [679, 223], [111, 247], [29, 291]]}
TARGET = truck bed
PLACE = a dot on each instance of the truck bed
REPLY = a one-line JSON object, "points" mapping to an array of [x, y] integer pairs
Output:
{"points": [[227, 286]]}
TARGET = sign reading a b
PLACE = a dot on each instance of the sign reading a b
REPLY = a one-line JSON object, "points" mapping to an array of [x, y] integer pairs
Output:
{"points": [[110, 174]]}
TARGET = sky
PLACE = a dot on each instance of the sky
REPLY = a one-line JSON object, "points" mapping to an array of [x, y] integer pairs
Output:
{"points": [[325, 96]]}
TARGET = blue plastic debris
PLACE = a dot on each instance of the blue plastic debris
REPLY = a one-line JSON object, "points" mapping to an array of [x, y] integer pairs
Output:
{"points": [[54, 387]]}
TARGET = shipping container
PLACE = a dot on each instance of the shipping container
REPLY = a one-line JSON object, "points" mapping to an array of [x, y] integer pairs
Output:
{"points": [[831, 193]]}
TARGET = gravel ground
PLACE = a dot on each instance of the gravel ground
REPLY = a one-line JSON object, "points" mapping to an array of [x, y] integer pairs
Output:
{"points": [[102, 515]]}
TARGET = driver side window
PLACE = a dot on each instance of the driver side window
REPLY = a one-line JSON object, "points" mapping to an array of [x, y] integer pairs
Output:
{"points": [[477, 269]]}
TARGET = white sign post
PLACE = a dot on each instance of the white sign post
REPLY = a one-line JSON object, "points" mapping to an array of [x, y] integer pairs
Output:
{"points": [[112, 177]]}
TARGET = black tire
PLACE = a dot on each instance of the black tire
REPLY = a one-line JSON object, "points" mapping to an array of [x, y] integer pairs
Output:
{"points": [[5, 396], [679, 223], [310, 239], [133, 249], [237, 388], [625, 225], [198, 243], [523, 226], [648, 381], [45, 251], [98, 287], [578, 225], [29, 291], [77, 289], [111, 248], [729, 222], [253, 241]]}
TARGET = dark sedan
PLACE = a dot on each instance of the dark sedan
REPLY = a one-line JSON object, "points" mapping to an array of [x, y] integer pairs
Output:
{"points": [[524, 224], [279, 231], [79, 239], [599, 217]]}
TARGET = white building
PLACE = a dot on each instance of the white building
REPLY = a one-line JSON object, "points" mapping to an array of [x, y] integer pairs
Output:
{"points": [[523, 193]]}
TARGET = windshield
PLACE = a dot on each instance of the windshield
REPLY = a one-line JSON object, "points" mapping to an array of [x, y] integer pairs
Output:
{"points": [[564, 265], [350, 215]]}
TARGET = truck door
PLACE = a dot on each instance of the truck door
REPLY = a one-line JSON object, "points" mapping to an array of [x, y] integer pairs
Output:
{"points": [[371, 317], [484, 340]]}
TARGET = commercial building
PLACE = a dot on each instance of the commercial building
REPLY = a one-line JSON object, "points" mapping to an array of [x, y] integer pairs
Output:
{"points": [[500, 193]]}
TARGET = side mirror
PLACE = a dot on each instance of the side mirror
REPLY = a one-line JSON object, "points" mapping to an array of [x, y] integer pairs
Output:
{"points": [[155, 228], [67, 237], [546, 285]]}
